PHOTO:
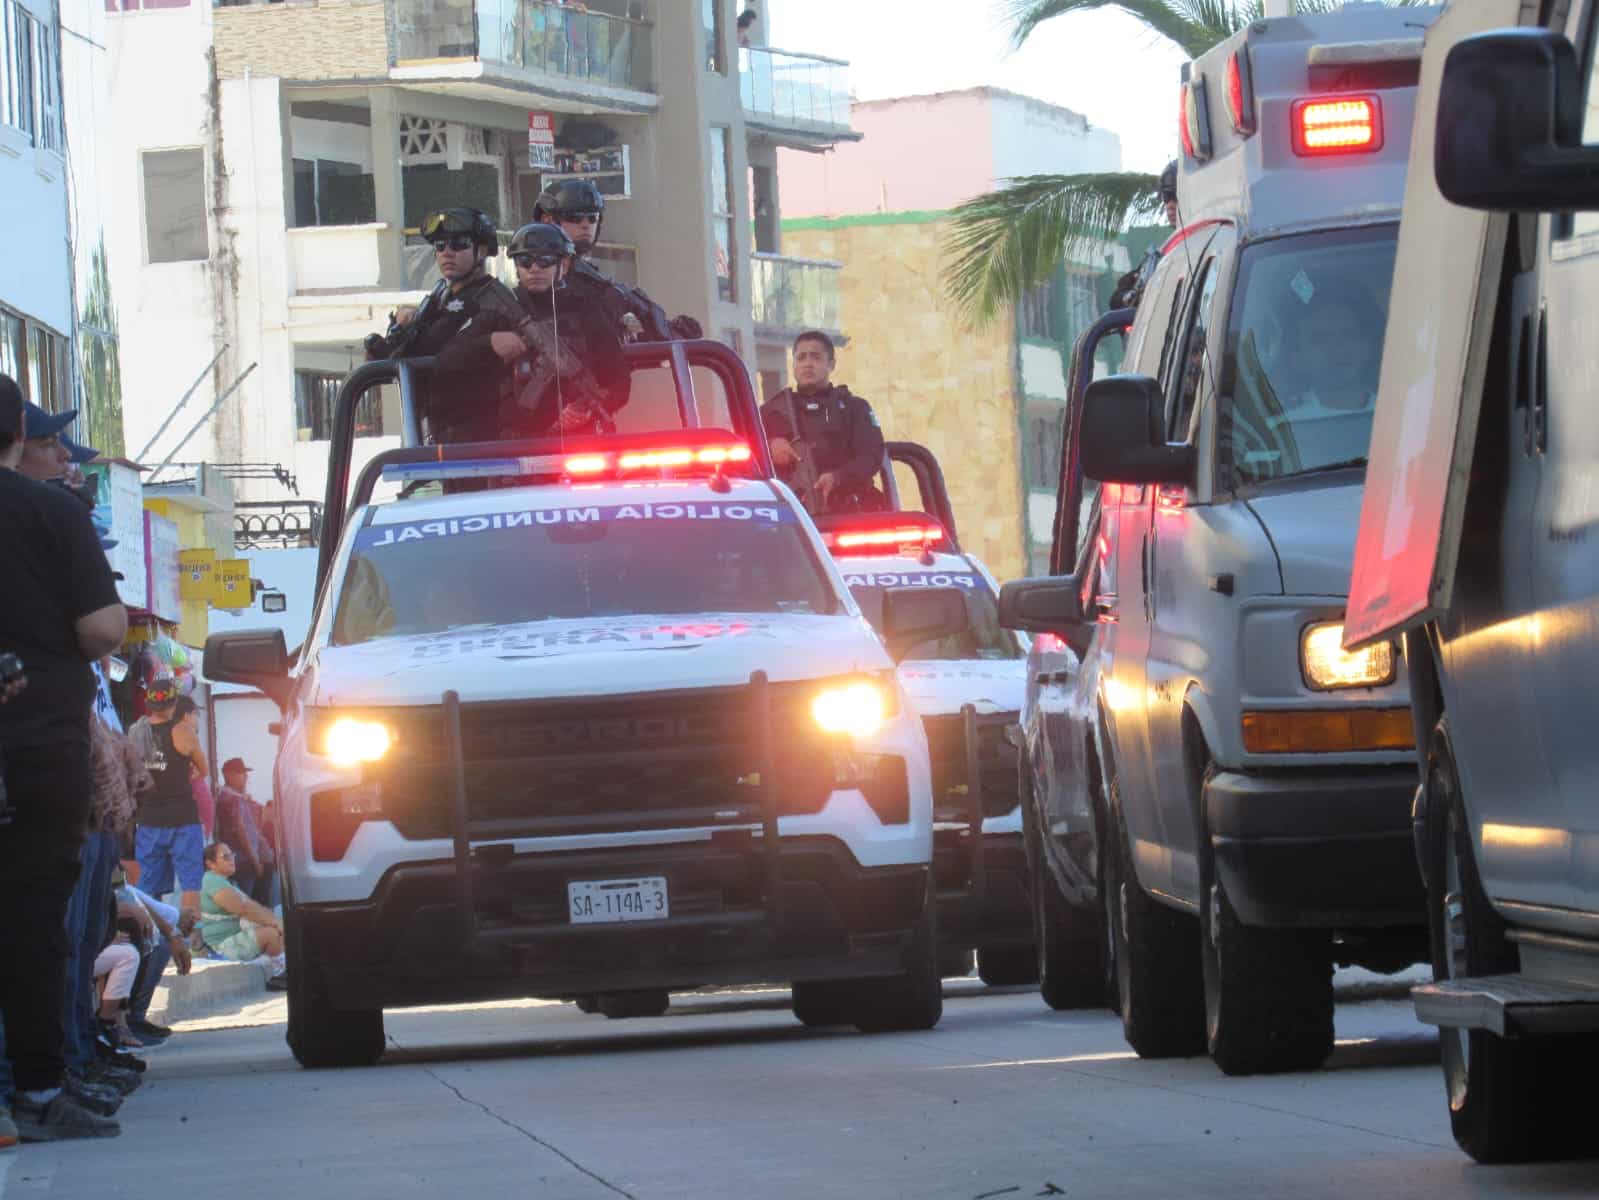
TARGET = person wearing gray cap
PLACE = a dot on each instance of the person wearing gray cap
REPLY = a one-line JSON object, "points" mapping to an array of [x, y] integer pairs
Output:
{"points": [[59, 612]]}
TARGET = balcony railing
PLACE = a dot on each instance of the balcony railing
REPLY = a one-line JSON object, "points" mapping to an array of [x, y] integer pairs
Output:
{"points": [[794, 293], [794, 87], [538, 35]]}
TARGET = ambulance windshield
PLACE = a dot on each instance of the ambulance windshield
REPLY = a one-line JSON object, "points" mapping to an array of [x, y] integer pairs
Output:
{"points": [[577, 562], [1303, 353]]}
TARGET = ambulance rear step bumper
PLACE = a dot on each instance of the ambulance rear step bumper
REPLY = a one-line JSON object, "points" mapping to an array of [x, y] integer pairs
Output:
{"points": [[1509, 1005]]}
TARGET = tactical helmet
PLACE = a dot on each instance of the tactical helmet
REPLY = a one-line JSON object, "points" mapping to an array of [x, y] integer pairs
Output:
{"points": [[567, 198], [1168, 182], [452, 222], [540, 238]]}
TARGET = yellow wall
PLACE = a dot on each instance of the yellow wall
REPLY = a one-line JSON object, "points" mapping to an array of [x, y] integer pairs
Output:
{"points": [[196, 622], [929, 379]]}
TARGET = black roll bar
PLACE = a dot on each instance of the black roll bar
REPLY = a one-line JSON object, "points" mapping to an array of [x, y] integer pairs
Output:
{"points": [[929, 481]]}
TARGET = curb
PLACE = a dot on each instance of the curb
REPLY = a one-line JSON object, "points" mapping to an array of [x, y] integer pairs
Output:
{"points": [[211, 985]]}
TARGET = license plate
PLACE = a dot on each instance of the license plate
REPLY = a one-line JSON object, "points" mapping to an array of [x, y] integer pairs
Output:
{"points": [[601, 901]]}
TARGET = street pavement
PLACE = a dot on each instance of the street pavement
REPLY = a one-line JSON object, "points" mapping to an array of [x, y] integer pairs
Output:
{"points": [[728, 1096]]}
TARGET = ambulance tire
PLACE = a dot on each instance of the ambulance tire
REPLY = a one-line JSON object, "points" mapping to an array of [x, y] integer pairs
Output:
{"points": [[320, 1035], [1158, 975], [1007, 966], [819, 1003], [914, 999], [645, 1002], [1508, 1097]]}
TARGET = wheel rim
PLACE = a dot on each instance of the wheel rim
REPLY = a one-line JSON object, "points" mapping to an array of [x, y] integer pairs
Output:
{"points": [[1455, 1043]]}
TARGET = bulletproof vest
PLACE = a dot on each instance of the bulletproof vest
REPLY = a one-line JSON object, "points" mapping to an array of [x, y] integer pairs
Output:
{"points": [[822, 423]]}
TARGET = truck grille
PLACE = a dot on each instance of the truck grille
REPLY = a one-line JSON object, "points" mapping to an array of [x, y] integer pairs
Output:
{"points": [[996, 757], [672, 760]]}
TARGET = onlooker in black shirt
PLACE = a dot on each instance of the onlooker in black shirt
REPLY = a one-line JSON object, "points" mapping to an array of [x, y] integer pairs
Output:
{"points": [[58, 612]]}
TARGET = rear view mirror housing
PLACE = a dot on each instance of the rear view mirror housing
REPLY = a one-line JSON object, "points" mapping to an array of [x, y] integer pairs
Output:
{"points": [[255, 658], [1509, 131], [1123, 436], [1052, 604], [913, 615]]}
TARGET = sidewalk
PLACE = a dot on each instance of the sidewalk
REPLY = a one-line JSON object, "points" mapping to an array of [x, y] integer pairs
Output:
{"points": [[212, 987]]}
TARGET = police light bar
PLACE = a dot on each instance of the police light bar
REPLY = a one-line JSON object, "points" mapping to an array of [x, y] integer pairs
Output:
{"points": [[880, 532], [666, 458], [586, 464], [1337, 125]]}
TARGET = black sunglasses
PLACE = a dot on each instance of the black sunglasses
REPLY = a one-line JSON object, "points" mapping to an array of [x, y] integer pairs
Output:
{"points": [[536, 260], [452, 243]]}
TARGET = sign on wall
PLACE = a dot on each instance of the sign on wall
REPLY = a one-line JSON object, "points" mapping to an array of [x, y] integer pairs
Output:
{"points": [[232, 587], [541, 141], [197, 570], [119, 507]]}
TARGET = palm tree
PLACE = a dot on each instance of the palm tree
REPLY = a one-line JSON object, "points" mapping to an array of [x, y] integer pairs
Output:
{"points": [[1006, 241]]}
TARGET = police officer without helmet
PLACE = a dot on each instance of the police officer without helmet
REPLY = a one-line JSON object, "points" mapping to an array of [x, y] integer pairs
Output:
{"points": [[577, 207], [567, 372], [464, 394], [59, 612], [825, 440]]}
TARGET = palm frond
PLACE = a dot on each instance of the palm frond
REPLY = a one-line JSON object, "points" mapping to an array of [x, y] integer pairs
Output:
{"points": [[1194, 25], [1006, 241]]}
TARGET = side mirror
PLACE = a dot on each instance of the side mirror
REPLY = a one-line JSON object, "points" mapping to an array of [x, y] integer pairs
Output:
{"points": [[1509, 132], [913, 615], [254, 658], [1123, 434], [1050, 605]]}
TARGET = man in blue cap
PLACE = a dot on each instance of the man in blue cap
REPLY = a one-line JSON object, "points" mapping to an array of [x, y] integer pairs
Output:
{"points": [[44, 455]]}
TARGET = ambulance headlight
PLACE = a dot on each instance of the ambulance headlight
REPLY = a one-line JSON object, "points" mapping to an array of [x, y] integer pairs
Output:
{"points": [[351, 740], [858, 707], [1327, 665]]}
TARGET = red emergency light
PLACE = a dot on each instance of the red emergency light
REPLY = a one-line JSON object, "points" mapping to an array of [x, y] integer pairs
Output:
{"points": [[592, 464], [879, 533], [1240, 92], [1337, 125]]}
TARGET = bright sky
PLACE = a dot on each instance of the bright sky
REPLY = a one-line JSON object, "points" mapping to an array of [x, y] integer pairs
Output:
{"points": [[1101, 64]]}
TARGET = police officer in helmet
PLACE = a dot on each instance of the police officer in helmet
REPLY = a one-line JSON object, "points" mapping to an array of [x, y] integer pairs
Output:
{"points": [[825, 440], [578, 208], [464, 391], [568, 371]]}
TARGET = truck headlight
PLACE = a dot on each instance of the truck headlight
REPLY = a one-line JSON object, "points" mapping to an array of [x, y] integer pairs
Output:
{"points": [[859, 707], [1327, 665], [349, 741]]}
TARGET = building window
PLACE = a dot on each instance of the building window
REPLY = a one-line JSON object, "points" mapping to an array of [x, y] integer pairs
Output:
{"points": [[174, 205], [37, 358], [47, 88], [1081, 304], [18, 91], [1045, 434], [722, 209], [1033, 313], [315, 393], [715, 59], [328, 192]]}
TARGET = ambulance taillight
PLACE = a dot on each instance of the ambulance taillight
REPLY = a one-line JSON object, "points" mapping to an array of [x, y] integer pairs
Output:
{"points": [[1337, 125]]}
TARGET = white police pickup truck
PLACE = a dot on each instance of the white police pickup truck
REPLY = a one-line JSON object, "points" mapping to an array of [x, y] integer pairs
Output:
{"points": [[615, 729], [968, 689]]}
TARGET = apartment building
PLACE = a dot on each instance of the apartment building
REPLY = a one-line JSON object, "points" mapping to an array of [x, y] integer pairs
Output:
{"points": [[279, 157], [990, 403]]}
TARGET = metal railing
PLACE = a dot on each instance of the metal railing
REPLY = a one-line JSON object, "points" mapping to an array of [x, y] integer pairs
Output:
{"points": [[539, 35], [794, 293], [794, 87], [276, 524]]}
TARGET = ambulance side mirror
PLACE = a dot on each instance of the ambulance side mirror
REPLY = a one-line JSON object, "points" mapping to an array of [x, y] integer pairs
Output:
{"points": [[1509, 132], [1123, 434]]}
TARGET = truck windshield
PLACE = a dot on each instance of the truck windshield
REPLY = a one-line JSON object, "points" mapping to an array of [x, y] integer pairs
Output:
{"points": [[435, 574], [1303, 353], [984, 639]]}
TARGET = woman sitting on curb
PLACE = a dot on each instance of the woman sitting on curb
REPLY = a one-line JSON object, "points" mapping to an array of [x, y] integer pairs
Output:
{"points": [[231, 923]]}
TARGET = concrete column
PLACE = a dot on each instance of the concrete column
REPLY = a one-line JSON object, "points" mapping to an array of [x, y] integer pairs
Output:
{"points": [[386, 184]]}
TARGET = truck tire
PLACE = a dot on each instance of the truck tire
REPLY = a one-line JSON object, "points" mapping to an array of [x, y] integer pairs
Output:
{"points": [[320, 1035], [1062, 946], [645, 1002], [1505, 1099], [1268, 992], [1158, 975], [819, 1003], [1007, 966], [914, 999]]}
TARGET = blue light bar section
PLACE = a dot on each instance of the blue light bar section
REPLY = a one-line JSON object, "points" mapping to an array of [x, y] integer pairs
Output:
{"points": [[470, 468]]}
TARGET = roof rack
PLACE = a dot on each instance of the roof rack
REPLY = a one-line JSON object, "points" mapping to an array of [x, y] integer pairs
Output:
{"points": [[665, 378]]}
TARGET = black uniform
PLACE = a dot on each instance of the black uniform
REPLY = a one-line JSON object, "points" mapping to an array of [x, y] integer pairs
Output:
{"points": [[463, 395], [617, 301], [835, 432], [595, 375]]}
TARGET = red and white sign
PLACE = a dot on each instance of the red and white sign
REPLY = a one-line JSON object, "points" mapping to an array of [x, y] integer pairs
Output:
{"points": [[541, 141]]}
